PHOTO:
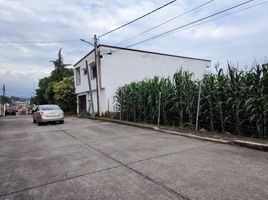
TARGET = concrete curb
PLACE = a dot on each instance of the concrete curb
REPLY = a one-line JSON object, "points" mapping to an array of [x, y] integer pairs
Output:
{"points": [[251, 145], [155, 128]]}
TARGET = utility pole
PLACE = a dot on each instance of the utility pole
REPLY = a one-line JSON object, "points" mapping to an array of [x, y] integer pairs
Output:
{"points": [[3, 100], [97, 74], [159, 108], [98, 85], [198, 105], [4, 90], [90, 91]]}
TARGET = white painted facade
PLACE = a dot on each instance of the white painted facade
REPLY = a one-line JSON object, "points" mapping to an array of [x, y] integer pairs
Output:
{"points": [[127, 65]]}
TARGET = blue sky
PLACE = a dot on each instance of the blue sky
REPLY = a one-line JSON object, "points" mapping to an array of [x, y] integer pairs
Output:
{"points": [[239, 38]]}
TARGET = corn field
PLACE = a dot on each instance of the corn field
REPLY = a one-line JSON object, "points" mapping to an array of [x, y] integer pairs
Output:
{"points": [[234, 101]]}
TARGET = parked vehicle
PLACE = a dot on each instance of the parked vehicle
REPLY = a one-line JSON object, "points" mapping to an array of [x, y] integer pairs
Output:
{"points": [[48, 113], [10, 111]]}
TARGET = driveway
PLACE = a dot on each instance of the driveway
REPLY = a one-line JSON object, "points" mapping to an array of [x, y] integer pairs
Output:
{"points": [[85, 159]]}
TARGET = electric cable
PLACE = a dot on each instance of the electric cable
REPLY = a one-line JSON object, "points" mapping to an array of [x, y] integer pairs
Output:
{"points": [[193, 22], [165, 22], [132, 21]]}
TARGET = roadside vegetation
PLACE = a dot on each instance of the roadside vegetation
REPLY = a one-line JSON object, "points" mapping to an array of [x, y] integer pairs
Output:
{"points": [[58, 88], [234, 101]]}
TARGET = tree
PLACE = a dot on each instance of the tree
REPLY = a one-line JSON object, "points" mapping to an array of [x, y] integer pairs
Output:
{"points": [[40, 92], [5, 99], [64, 94], [45, 94], [60, 71]]}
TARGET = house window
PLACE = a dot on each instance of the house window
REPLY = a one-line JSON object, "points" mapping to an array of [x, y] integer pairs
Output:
{"points": [[78, 76], [93, 72], [85, 71]]}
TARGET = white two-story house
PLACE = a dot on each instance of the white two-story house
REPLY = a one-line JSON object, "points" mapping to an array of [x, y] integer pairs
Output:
{"points": [[119, 66]]}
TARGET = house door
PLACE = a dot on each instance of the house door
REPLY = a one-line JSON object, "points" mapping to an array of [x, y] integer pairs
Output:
{"points": [[82, 104]]}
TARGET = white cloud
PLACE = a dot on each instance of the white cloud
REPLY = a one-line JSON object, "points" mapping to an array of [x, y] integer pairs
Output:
{"points": [[21, 80]]}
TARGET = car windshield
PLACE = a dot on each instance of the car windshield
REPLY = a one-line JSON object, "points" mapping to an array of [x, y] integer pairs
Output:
{"points": [[50, 107]]}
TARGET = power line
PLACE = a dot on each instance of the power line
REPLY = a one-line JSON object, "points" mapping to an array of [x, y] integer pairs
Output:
{"points": [[165, 22], [38, 42], [243, 9], [231, 13], [81, 52], [76, 50], [191, 23], [137, 18]]}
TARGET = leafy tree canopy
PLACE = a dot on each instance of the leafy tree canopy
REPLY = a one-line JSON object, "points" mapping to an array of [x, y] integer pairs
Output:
{"points": [[45, 93], [64, 94]]}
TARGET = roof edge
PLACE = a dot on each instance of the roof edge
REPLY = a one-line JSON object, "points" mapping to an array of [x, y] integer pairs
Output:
{"points": [[142, 51], [151, 52], [84, 57]]}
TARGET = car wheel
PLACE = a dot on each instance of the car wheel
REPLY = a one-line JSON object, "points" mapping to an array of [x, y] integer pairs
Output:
{"points": [[62, 122]]}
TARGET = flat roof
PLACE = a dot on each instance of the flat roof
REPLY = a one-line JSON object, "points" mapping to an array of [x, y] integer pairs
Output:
{"points": [[141, 51]]}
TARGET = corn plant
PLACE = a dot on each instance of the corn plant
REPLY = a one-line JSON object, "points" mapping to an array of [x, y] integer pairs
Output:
{"points": [[220, 95], [257, 103], [235, 101], [208, 100]]}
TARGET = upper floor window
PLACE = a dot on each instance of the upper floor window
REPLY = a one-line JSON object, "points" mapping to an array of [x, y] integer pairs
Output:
{"points": [[78, 76], [85, 71], [93, 72]]}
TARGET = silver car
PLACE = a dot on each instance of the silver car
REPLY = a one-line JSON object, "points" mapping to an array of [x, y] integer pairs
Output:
{"points": [[48, 113]]}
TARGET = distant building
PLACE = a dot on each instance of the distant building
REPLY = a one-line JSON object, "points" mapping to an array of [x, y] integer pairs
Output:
{"points": [[119, 66]]}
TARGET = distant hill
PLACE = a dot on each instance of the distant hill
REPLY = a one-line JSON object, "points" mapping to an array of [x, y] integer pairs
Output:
{"points": [[12, 99], [23, 99]]}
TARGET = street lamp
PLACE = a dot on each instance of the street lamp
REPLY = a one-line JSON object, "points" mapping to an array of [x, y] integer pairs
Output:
{"points": [[87, 42]]}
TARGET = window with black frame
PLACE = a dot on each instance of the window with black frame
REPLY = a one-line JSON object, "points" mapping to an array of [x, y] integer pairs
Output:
{"points": [[78, 76], [93, 72]]}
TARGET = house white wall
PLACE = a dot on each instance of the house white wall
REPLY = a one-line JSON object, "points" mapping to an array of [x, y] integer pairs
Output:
{"points": [[83, 87], [126, 66]]}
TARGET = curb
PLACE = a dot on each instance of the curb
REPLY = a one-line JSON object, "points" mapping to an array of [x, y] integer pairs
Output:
{"points": [[155, 128], [251, 145], [195, 136]]}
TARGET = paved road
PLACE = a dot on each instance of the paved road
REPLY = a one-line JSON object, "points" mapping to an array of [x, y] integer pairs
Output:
{"points": [[85, 159]]}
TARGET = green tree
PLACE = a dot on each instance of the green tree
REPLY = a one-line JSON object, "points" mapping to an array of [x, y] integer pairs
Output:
{"points": [[45, 94], [64, 94], [5, 99], [40, 92], [60, 71]]}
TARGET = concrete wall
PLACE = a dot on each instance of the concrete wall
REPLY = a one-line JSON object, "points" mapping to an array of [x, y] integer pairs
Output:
{"points": [[126, 66]]}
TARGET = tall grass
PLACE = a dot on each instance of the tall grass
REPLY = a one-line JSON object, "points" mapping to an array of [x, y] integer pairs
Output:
{"points": [[235, 101]]}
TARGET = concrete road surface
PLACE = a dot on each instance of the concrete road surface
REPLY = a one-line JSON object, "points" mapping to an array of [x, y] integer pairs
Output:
{"points": [[84, 159]]}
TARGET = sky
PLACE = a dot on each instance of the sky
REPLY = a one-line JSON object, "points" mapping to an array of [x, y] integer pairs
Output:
{"points": [[240, 38]]}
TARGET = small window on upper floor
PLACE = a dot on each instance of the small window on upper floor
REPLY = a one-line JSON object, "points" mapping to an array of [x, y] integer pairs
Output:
{"points": [[85, 71], [78, 76], [93, 72]]}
